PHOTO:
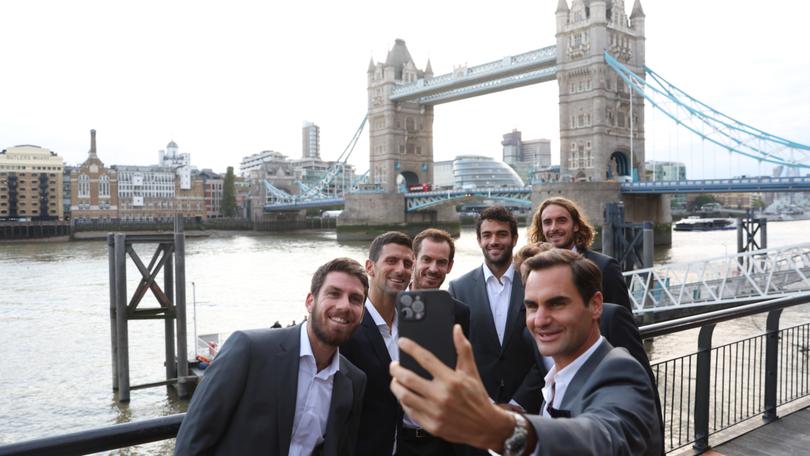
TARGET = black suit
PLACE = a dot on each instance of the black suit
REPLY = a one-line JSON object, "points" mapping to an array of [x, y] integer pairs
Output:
{"points": [[619, 328], [508, 371], [381, 411], [614, 288], [246, 401]]}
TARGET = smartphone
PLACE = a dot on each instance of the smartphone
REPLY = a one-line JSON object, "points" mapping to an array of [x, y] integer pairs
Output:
{"points": [[427, 317]]}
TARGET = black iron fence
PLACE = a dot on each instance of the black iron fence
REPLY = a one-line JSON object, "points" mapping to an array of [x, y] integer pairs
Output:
{"points": [[716, 388], [702, 393]]}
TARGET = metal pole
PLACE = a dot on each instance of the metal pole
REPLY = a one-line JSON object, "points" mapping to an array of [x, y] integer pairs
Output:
{"points": [[649, 244], [702, 388], [180, 309], [194, 302], [763, 233], [168, 323], [121, 316], [632, 173], [113, 332], [771, 364], [608, 236]]}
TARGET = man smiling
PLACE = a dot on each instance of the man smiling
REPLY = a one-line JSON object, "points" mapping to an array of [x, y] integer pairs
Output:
{"points": [[559, 221], [374, 345], [434, 250], [286, 391], [494, 294], [598, 399]]}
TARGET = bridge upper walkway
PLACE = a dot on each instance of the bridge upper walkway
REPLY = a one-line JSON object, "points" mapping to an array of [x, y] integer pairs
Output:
{"points": [[734, 279], [465, 82]]}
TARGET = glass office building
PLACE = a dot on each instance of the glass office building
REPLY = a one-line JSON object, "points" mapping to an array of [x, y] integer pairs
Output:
{"points": [[475, 171]]}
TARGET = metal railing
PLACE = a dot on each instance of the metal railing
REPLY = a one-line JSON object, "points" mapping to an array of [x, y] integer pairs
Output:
{"points": [[716, 388], [702, 393], [740, 278]]}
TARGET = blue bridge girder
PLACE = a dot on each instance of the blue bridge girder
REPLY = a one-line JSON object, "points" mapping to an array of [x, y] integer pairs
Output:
{"points": [[507, 73], [516, 196], [294, 205], [742, 184]]}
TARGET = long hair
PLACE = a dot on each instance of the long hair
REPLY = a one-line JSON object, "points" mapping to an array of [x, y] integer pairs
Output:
{"points": [[583, 238]]}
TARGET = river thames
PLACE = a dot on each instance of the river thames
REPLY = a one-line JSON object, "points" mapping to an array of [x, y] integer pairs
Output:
{"points": [[55, 366]]}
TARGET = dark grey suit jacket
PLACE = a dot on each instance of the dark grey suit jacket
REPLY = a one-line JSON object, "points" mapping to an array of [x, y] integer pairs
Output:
{"points": [[508, 371], [611, 407], [620, 330], [614, 288], [246, 401]]}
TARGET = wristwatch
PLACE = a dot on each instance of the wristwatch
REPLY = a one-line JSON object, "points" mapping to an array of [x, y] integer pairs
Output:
{"points": [[515, 444]]}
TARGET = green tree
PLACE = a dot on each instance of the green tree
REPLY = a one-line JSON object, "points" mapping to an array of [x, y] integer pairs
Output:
{"points": [[229, 194], [701, 199]]}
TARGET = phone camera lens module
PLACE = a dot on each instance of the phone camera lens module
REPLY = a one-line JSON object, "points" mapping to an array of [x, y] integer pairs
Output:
{"points": [[406, 300], [418, 306]]}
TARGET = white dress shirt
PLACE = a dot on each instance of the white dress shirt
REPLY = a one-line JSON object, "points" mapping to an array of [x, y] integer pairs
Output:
{"points": [[557, 381], [499, 293], [312, 399]]}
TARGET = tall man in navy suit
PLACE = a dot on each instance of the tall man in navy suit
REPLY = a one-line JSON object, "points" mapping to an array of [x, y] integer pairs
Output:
{"points": [[286, 391], [494, 294], [559, 221], [374, 345]]}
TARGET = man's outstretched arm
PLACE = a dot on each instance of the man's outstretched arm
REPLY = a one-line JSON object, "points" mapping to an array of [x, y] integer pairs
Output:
{"points": [[453, 405]]}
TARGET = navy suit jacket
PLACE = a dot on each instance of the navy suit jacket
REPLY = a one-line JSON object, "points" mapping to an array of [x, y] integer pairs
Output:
{"points": [[614, 288], [508, 371], [246, 401]]}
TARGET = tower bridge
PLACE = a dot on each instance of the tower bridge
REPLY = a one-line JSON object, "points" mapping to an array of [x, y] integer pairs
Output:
{"points": [[604, 86]]}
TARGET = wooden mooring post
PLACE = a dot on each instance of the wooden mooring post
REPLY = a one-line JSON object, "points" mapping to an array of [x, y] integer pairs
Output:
{"points": [[169, 257]]}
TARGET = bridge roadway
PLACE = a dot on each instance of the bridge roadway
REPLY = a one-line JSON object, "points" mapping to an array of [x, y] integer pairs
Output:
{"points": [[521, 196], [740, 184]]}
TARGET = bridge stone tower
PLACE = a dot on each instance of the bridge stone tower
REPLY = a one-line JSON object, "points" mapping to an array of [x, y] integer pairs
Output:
{"points": [[595, 106], [400, 133]]}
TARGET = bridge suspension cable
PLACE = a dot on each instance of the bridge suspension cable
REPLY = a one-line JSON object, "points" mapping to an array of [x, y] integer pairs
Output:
{"points": [[318, 190], [710, 124]]}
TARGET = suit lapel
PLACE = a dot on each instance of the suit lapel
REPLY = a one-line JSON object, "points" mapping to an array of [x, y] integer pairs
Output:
{"points": [[287, 359], [375, 339], [513, 315], [583, 374], [339, 410], [481, 311]]}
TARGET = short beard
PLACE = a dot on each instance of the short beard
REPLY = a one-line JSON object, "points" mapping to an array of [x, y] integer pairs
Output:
{"points": [[503, 261], [320, 334]]}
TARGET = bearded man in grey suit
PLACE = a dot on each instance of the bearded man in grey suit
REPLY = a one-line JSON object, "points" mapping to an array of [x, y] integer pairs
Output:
{"points": [[286, 391], [598, 399]]}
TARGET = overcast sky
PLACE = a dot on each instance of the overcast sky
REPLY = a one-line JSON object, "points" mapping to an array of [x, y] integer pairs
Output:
{"points": [[229, 79]]}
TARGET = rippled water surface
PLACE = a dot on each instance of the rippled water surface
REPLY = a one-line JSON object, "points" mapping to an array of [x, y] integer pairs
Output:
{"points": [[55, 362]]}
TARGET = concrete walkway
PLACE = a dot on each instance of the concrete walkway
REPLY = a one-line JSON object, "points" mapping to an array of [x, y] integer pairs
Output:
{"points": [[789, 435]]}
